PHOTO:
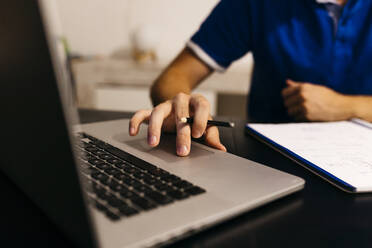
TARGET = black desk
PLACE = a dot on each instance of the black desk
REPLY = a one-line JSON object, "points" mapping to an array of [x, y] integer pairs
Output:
{"points": [[318, 216]]}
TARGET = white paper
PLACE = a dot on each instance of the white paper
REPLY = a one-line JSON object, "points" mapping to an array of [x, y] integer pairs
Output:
{"points": [[343, 148]]}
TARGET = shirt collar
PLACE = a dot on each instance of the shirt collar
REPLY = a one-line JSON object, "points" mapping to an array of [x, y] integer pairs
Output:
{"points": [[327, 1]]}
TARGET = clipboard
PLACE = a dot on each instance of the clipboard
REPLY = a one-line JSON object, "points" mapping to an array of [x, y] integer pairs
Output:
{"points": [[307, 162]]}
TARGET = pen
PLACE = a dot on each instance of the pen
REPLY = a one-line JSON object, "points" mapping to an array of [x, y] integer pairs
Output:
{"points": [[210, 122]]}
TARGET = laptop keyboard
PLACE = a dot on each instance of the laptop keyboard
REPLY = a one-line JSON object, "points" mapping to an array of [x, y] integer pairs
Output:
{"points": [[122, 185]]}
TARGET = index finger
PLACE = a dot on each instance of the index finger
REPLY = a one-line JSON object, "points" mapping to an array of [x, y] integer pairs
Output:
{"points": [[290, 90], [137, 119]]}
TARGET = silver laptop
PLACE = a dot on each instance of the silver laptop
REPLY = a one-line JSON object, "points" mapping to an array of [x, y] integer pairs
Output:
{"points": [[102, 187]]}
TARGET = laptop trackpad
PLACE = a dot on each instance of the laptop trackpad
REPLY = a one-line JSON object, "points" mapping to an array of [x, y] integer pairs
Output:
{"points": [[165, 151]]}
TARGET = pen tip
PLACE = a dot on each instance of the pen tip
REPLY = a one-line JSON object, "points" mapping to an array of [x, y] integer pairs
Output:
{"points": [[184, 120], [232, 124]]}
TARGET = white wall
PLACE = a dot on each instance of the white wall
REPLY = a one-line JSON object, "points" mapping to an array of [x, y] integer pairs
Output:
{"points": [[93, 26], [97, 26], [103, 27]]}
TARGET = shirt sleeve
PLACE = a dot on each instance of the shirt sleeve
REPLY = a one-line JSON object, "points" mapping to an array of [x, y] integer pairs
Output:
{"points": [[224, 36]]}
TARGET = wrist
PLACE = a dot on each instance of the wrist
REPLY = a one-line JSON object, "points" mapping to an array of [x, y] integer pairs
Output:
{"points": [[355, 106], [348, 107]]}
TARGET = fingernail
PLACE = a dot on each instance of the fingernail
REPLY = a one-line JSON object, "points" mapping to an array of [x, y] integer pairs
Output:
{"points": [[224, 148], [197, 134], [132, 130], [152, 140], [182, 150]]}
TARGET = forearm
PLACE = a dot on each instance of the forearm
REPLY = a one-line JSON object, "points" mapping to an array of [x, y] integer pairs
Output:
{"points": [[182, 75]]}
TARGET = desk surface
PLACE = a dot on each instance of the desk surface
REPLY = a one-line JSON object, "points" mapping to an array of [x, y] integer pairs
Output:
{"points": [[319, 216]]}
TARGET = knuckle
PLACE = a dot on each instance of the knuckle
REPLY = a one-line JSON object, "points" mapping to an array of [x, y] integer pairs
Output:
{"points": [[302, 95], [158, 108], [306, 106], [181, 96], [305, 86], [203, 103], [137, 115]]}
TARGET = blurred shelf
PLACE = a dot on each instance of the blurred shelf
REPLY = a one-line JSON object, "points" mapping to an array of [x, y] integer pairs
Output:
{"points": [[112, 84]]}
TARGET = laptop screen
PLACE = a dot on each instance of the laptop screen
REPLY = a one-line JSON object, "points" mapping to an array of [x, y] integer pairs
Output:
{"points": [[37, 155]]}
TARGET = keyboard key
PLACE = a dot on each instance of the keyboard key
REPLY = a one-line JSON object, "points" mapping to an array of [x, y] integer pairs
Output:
{"points": [[103, 178], [100, 206], [113, 184], [159, 172], [90, 137], [143, 188], [112, 215], [130, 169], [96, 161], [91, 149], [99, 152], [86, 167], [117, 152], [140, 175], [127, 157], [164, 187], [144, 165], [114, 201], [176, 194], [82, 144], [88, 185], [119, 165], [127, 211], [88, 157], [182, 184], [114, 161], [194, 190], [112, 171], [119, 188], [103, 166], [99, 191], [171, 178], [132, 182], [121, 176], [143, 203], [105, 156], [100, 144], [158, 198], [128, 194]]}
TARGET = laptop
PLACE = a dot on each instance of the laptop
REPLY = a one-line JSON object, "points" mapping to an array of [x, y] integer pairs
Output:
{"points": [[100, 186]]}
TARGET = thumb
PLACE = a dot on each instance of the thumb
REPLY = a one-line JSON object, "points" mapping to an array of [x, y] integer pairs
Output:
{"points": [[212, 138], [290, 82]]}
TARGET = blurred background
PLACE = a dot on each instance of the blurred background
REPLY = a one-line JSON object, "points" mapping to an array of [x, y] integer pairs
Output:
{"points": [[117, 48]]}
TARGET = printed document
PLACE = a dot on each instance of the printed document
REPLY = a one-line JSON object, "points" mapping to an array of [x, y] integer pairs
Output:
{"points": [[343, 149]]}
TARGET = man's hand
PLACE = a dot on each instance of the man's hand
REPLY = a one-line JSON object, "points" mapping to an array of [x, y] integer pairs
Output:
{"points": [[310, 102], [167, 117]]}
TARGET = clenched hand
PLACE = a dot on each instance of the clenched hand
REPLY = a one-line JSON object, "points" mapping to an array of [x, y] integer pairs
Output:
{"points": [[311, 102]]}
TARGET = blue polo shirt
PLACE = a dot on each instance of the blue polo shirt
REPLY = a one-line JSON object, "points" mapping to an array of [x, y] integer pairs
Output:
{"points": [[294, 39]]}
